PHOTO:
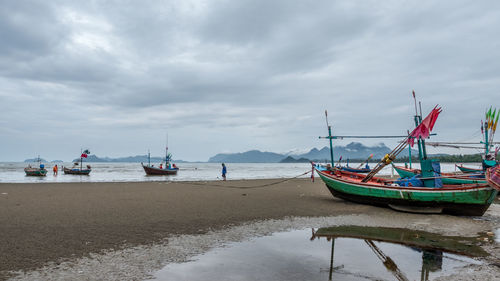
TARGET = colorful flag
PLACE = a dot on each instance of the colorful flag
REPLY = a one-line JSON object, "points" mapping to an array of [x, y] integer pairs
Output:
{"points": [[83, 155], [424, 129]]}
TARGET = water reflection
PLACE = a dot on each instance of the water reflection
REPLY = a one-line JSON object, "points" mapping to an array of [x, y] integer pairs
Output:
{"points": [[429, 244], [334, 253]]}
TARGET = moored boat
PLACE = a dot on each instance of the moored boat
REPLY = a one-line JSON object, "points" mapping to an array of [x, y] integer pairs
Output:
{"points": [[75, 170], [423, 194], [355, 170], [466, 199], [156, 171], [168, 169], [36, 172], [468, 170], [446, 178]]}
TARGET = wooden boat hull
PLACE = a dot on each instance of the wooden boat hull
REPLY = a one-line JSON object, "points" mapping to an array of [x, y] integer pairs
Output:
{"points": [[457, 180], [466, 200], [354, 170], [35, 172], [493, 177], [153, 171], [84, 172], [468, 170]]}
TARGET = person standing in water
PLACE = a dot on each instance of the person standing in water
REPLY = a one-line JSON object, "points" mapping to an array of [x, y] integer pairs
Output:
{"points": [[224, 171], [55, 170]]}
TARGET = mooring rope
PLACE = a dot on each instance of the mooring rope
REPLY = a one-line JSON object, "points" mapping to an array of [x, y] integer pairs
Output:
{"points": [[243, 187]]}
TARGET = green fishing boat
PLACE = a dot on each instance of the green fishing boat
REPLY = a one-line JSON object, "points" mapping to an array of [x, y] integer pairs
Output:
{"points": [[446, 178], [464, 200], [468, 169], [426, 194], [34, 171]]}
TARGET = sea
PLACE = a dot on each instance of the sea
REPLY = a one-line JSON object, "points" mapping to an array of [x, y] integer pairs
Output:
{"points": [[13, 172]]}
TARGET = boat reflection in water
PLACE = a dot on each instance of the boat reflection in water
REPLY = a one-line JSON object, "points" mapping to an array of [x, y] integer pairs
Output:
{"points": [[431, 246], [347, 253]]}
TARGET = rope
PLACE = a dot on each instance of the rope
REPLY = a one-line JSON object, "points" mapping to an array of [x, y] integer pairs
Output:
{"points": [[244, 187]]}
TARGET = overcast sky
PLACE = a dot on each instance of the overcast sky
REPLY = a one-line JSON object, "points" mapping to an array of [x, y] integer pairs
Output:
{"points": [[230, 76]]}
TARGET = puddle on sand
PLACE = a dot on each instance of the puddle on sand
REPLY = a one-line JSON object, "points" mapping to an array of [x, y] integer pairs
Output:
{"points": [[334, 253]]}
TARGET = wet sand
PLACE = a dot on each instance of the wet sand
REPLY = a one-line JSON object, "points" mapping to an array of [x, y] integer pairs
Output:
{"points": [[52, 223]]}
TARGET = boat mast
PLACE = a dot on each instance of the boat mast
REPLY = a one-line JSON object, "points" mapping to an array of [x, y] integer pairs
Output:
{"points": [[166, 152], [330, 138], [418, 120], [81, 159], [149, 159], [409, 150]]}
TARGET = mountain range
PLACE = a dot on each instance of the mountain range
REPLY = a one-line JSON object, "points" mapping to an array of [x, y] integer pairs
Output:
{"points": [[353, 150]]}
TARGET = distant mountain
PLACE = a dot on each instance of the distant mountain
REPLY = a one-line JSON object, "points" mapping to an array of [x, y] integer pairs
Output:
{"points": [[132, 159], [290, 159], [252, 156], [353, 150]]}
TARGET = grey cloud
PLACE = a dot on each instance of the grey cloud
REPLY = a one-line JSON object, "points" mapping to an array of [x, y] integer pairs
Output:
{"points": [[242, 72]]}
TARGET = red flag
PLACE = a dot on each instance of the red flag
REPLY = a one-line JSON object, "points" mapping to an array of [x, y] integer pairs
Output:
{"points": [[424, 129], [83, 155]]}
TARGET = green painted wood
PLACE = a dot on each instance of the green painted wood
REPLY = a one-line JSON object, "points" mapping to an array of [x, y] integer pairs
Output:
{"points": [[480, 195]]}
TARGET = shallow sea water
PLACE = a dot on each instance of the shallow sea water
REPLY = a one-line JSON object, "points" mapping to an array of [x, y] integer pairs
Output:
{"points": [[12, 172], [298, 255]]}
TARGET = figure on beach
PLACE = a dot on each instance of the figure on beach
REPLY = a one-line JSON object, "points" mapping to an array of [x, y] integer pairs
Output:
{"points": [[55, 169], [224, 171], [161, 165]]}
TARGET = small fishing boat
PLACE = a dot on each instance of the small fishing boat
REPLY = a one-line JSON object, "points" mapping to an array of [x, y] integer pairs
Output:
{"points": [[36, 172], [446, 178], [358, 169], [168, 169], [466, 199], [468, 170], [79, 170], [355, 170]]}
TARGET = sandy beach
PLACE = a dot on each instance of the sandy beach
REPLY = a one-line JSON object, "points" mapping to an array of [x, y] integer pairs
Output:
{"points": [[46, 224]]}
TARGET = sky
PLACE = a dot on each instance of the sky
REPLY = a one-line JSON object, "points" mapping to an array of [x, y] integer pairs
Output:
{"points": [[116, 77]]}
